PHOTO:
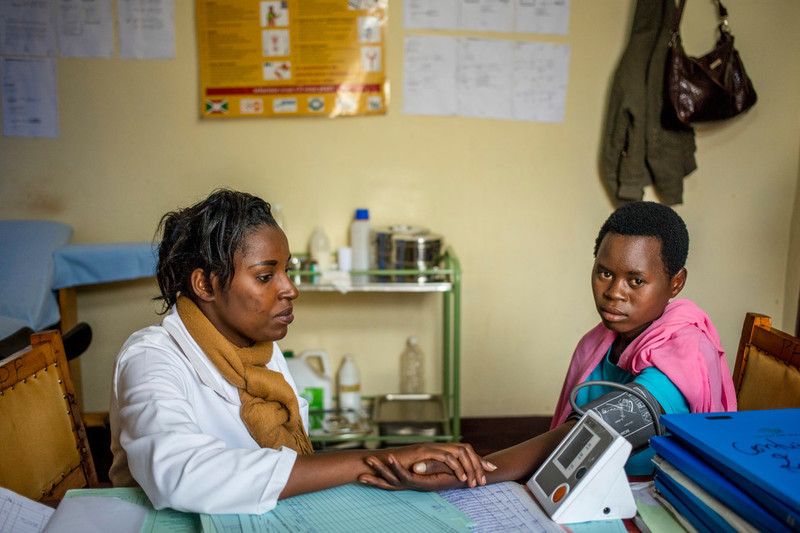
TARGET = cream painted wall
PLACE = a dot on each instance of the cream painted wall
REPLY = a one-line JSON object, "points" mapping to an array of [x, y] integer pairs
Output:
{"points": [[520, 202]]}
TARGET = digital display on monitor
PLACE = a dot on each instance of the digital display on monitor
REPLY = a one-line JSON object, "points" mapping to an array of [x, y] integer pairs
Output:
{"points": [[578, 444]]}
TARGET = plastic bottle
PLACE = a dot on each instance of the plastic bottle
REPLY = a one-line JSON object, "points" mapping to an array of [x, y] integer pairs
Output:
{"points": [[361, 243], [311, 374], [412, 369], [344, 257], [277, 214], [320, 249], [349, 379]]}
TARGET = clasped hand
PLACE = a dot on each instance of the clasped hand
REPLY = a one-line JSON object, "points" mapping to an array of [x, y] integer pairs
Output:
{"points": [[427, 467]]}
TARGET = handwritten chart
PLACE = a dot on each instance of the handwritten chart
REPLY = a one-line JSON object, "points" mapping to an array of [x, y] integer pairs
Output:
{"points": [[501, 507], [486, 78], [22, 515], [351, 509]]}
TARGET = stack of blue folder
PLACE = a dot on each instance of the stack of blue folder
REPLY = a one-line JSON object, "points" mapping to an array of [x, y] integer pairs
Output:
{"points": [[732, 471]]}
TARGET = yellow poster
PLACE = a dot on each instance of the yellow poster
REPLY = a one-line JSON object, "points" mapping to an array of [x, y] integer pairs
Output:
{"points": [[292, 58]]}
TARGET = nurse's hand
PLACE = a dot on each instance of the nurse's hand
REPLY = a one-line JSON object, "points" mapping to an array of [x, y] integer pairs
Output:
{"points": [[427, 467]]}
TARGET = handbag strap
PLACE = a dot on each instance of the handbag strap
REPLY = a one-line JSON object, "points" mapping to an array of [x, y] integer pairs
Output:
{"points": [[676, 21]]}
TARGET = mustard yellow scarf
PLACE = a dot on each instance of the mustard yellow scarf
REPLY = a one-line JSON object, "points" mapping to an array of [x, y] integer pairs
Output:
{"points": [[269, 405]]}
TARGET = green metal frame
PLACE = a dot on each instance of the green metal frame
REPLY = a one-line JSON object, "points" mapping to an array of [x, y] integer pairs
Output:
{"points": [[451, 338]]}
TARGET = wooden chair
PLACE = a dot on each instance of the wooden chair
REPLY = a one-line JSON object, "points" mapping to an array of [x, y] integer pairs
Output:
{"points": [[767, 370], [43, 446]]}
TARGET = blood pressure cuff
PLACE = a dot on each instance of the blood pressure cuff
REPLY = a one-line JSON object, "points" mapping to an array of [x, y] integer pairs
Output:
{"points": [[626, 413]]}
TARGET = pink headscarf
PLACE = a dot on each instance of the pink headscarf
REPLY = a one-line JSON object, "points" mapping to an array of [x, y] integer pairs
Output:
{"points": [[671, 344]]}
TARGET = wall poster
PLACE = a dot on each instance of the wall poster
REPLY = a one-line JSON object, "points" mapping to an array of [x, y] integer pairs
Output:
{"points": [[267, 58]]}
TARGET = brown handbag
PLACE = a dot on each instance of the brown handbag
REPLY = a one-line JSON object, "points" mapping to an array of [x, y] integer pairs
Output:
{"points": [[712, 87]]}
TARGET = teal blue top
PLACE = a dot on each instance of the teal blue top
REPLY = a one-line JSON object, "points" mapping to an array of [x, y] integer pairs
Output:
{"points": [[655, 381]]}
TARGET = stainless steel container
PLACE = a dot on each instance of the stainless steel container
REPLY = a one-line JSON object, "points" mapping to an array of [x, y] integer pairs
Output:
{"points": [[410, 415], [403, 247]]}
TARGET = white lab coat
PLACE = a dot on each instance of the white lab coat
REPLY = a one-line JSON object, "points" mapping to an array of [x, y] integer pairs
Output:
{"points": [[176, 428]]}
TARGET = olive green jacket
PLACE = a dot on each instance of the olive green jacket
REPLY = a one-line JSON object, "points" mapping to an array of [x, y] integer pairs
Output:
{"points": [[640, 148]]}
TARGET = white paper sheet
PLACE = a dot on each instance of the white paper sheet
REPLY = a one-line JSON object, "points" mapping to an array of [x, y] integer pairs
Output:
{"points": [[19, 514], [155, 521], [30, 98], [27, 28], [486, 15], [146, 29], [540, 71], [96, 515], [429, 80], [542, 16], [430, 14], [521, 16], [85, 28], [484, 78], [501, 507]]}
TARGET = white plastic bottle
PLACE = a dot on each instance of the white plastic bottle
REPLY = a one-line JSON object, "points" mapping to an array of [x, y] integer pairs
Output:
{"points": [[412, 368], [361, 244], [311, 374], [349, 386], [320, 249]]}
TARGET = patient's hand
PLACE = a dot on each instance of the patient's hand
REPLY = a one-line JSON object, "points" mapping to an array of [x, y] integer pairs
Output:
{"points": [[428, 471], [393, 476]]}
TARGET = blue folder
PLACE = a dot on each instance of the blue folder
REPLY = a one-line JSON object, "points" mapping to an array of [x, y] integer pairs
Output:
{"points": [[759, 451], [716, 484], [700, 510], [681, 507]]}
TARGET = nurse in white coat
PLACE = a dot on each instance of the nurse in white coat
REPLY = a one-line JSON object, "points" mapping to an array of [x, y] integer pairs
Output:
{"points": [[205, 416]]}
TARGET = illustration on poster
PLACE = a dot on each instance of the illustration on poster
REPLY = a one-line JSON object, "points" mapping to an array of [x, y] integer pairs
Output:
{"points": [[366, 4], [277, 71], [369, 29], [274, 14], [370, 59], [275, 43]]}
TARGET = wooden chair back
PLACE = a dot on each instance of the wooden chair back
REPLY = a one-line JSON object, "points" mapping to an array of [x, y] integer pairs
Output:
{"points": [[43, 446], [767, 370]]}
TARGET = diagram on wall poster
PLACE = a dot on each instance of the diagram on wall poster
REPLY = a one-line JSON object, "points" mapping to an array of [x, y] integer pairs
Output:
{"points": [[292, 58]]}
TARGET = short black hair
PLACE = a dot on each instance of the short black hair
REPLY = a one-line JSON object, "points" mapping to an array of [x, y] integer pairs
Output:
{"points": [[206, 236], [651, 219]]}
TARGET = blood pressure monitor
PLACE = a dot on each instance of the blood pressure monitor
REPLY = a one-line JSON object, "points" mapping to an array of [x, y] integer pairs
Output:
{"points": [[584, 478]]}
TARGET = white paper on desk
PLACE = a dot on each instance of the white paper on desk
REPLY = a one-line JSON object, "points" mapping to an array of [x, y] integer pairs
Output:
{"points": [[597, 526], [96, 515], [501, 507], [19, 514]]}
